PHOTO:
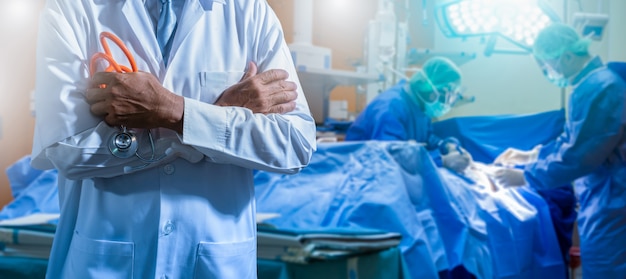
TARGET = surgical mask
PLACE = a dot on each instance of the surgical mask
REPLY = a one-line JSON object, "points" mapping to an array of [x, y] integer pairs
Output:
{"points": [[436, 108], [554, 76]]}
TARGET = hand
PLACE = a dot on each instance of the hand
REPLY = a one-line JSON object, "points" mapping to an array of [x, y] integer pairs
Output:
{"points": [[457, 161], [512, 156], [509, 177], [267, 92], [134, 100]]}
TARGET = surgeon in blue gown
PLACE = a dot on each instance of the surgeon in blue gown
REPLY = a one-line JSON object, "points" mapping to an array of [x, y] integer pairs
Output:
{"points": [[591, 151], [404, 112]]}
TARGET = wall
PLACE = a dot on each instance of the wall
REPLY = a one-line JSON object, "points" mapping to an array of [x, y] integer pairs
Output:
{"points": [[18, 28], [338, 25], [616, 34]]}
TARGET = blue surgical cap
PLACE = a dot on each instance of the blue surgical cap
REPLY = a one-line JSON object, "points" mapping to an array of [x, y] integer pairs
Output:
{"points": [[441, 72], [558, 38]]}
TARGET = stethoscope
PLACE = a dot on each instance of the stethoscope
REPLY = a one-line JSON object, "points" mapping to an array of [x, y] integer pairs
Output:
{"points": [[122, 144]]}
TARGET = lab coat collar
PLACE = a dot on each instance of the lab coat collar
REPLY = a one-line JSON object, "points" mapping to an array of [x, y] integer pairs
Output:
{"points": [[192, 11], [142, 28], [207, 5], [591, 66]]}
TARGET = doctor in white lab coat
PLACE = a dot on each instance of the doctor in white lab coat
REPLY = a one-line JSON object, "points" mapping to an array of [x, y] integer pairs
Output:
{"points": [[190, 211]]}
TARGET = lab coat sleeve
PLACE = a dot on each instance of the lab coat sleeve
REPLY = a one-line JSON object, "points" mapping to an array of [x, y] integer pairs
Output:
{"points": [[592, 132], [232, 135]]}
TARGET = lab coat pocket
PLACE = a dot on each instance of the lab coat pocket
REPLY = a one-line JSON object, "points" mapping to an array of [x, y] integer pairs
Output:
{"points": [[90, 258], [213, 84], [226, 260]]}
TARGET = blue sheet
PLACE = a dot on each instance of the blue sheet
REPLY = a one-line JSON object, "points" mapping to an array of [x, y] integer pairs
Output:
{"points": [[356, 185], [34, 191], [487, 136], [446, 220]]}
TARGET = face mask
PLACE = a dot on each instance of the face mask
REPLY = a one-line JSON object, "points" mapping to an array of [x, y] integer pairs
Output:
{"points": [[436, 109], [554, 76]]}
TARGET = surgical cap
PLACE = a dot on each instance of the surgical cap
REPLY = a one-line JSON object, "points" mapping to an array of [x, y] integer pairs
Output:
{"points": [[440, 71], [558, 38]]}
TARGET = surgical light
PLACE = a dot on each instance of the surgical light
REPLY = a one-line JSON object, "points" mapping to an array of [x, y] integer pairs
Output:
{"points": [[519, 21], [591, 25]]}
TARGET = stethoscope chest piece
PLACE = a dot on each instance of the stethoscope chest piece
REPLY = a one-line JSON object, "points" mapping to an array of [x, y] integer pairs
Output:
{"points": [[123, 144]]}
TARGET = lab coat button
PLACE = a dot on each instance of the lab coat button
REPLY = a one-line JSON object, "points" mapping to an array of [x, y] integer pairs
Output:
{"points": [[168, 228], [169, 169]]}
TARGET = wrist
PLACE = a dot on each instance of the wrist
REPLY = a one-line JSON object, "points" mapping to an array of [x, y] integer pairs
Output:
{"points": [[174, 113]]}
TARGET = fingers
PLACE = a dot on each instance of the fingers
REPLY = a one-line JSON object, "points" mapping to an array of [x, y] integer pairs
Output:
{"points": [[277, 97], [283, 97], [102, 78], [281, 92], [250, 72], [499, 176], [468, 156], [99, 108], [265, 92], [499, 161], [285, 85], [282, 108], [504, 157], [100, 87], [463, 164], [455, 161], [499, 173], [273, 75], [509, 177], [95, 95], [113, 120]]}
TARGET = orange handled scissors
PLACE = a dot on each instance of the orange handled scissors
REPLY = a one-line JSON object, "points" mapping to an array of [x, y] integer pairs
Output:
{"points": [[108, 56]]}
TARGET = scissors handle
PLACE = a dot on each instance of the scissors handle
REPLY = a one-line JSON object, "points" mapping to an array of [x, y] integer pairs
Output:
{"points": [[108, 56]]}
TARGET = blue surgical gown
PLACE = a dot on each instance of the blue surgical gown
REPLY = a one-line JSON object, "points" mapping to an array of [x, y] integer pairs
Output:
{"points": [[395, 114], [592, 151]]}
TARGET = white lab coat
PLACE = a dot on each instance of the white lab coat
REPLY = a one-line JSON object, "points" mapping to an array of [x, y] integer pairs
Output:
{"points": [[192, 214]]}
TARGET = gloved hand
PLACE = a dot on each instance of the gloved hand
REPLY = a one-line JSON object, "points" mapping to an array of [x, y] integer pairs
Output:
{"points": [[509, 177], [456, 160], [512, 156]]}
